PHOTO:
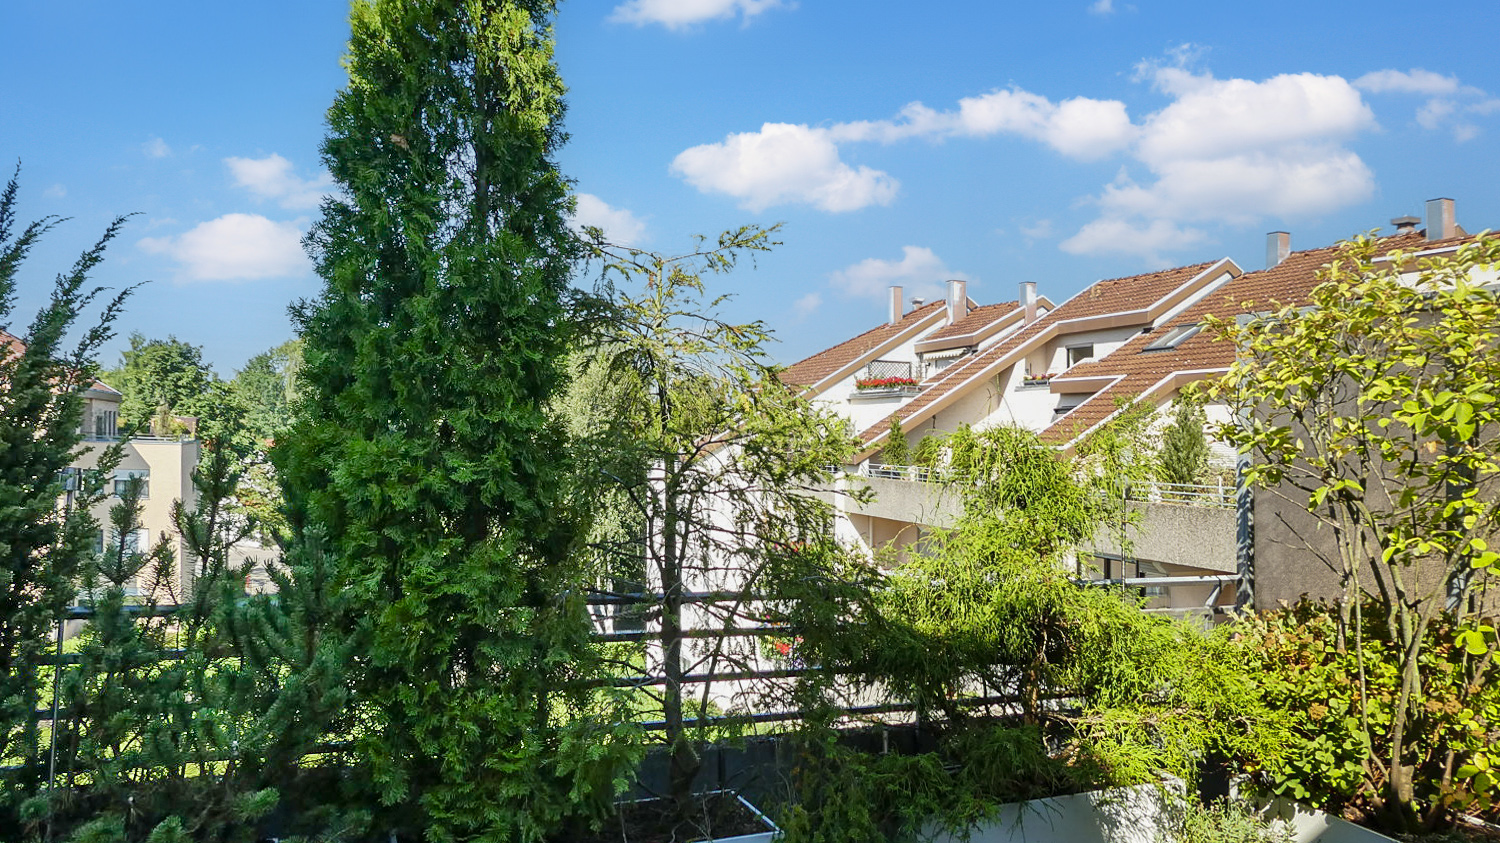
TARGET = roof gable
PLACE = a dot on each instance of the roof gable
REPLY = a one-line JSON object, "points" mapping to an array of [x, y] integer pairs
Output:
{"points": [[1110, 300], [839, 361]]}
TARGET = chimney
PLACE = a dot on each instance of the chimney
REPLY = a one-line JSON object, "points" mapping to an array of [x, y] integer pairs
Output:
{"points": [[1028, 302], [917, 301], [1278, 246], [896, 304], [1440, 222], [958, 300], [1406, 225]]}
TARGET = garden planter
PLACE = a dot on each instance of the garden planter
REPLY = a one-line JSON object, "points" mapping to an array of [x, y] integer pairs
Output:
{"points": [[1140, 814], [734, 820]]}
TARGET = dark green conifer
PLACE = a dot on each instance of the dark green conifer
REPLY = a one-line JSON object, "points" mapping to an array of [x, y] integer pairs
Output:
{"points": [[1184, 447], [424, 452], [43, 371]]}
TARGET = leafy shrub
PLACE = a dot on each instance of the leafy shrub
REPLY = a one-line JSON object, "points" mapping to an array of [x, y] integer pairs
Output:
{"points": [[1336, 694]]}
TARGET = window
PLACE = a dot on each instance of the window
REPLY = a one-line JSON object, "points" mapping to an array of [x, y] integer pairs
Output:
{"points": [[69, 478], [98, 542], [1079, 353], [106, 423], [1068, 404], [125, 475], [1173, 338], [136, 541]]}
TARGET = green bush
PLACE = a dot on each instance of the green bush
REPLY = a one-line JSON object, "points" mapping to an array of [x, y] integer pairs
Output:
{"points": [[1336, 696]]}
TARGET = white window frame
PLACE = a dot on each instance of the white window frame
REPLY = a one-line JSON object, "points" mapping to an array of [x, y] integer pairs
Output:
{"points": [[124, 475]]}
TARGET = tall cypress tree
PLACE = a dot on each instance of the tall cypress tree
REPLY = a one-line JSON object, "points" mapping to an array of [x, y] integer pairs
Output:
{"points": [[423, 452]]}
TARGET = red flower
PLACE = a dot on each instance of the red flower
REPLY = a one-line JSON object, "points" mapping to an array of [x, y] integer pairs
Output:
{"points": [[883, 383]]}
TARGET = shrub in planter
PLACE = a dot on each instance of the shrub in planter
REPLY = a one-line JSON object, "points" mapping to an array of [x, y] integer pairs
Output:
{"points": [[1337, 693]]}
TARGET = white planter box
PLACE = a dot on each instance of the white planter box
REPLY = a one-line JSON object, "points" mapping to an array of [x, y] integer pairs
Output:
{"points": [[1133, 815]]}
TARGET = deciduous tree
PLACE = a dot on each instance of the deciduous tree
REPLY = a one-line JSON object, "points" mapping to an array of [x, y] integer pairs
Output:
{"points": [[160, 377], [1375, 407], [721, 462]]}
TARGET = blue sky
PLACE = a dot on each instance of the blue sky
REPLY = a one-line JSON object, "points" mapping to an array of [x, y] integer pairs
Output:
{"points": [[906, 143]]}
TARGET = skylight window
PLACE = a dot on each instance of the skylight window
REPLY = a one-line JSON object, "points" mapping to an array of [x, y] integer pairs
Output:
{"points": [[1173, 338]]}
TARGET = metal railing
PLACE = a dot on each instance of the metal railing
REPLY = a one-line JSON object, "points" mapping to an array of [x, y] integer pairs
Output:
{"points": [[916, 473], [139, 437], [887, 369], [1220, 495]]}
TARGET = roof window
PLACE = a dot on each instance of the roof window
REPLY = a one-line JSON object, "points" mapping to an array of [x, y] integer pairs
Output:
{"points": [[1173, 338]]}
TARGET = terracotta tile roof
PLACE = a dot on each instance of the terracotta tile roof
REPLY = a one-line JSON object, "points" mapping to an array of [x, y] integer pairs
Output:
{"points": [[1110, 296], [821, 366], [1141, 372], [964, 329], [12, 344]]}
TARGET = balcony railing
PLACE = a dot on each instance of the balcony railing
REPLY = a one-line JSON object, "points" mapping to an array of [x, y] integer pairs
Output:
{"points": [[1219, 495], [917, 473], [91, 437], [879, 369]]}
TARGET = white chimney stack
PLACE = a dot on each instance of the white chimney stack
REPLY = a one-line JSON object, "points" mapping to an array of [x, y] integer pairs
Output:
{"points": [[958, 300], [1441, 223], [1028, 302], [1278, 246], [896, 305]]}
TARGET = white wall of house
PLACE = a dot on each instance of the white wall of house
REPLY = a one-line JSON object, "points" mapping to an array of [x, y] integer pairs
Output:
{"points": [[1029, 407], [1055, 357]]}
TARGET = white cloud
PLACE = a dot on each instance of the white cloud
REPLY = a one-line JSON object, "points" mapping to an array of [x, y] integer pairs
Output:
{"points": [[1220, 151], [783, 163], [1449, 103], [1041, 230], [234, 247], [1214, 118], [1112, 236], [620, 226], [1231, 151], [1102, 7], [1434, 113], [1078, 128], [156, 148], [794, 163], [919, 271], [681, 14], [804, 306], [56, 191], [1415, 81], [271, 177], [1240, 189]]}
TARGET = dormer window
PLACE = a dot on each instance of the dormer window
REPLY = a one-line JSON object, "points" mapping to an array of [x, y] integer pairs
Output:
{"points": [[1173, 338], [1079, 353]]}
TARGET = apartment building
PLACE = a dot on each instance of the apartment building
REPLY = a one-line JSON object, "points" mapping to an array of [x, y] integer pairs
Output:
{"points": [[1018, 364], [163, 464], [1067, 370]]}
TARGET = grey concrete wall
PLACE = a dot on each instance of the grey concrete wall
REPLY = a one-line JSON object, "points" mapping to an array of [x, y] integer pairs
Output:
{"points": [[1198, 537], [910, 501]]}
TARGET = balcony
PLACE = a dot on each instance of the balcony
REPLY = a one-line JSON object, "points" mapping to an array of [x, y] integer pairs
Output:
{"points": [[885, 379]]}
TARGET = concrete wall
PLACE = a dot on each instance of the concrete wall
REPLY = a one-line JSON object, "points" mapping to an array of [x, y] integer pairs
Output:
{"points": [[1196, 537], [909, 502]]}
